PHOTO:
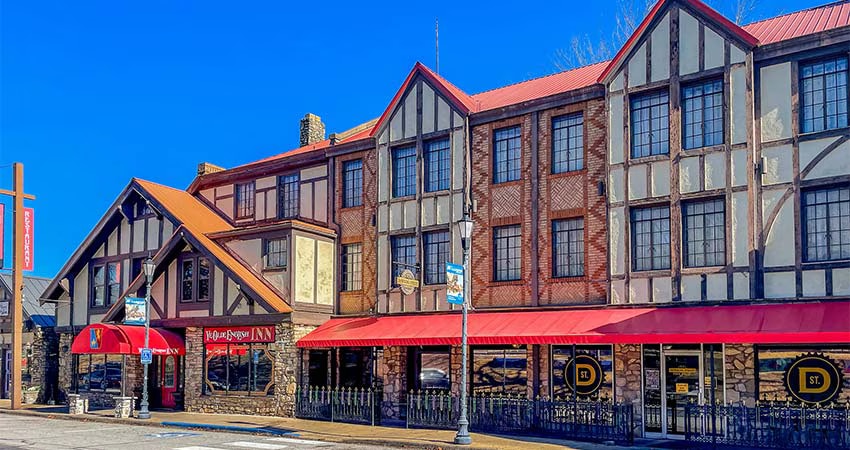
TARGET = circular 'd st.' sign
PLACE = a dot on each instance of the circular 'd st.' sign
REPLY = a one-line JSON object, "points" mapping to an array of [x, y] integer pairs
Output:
{"points": [[813, 378], [589, 373]]}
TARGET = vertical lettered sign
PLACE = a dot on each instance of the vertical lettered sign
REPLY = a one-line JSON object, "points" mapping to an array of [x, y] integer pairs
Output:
{"points": [[29, 225]]}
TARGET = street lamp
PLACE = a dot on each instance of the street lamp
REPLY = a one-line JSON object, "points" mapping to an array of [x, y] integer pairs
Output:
{"points": [[148, 267], [465, 229]]}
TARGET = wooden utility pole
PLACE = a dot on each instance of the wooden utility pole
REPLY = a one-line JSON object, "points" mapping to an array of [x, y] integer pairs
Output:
{"points": [[18, 196]]}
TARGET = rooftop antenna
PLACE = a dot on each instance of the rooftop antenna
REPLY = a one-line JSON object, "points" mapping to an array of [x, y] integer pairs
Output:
{"points": [[437, 42]]}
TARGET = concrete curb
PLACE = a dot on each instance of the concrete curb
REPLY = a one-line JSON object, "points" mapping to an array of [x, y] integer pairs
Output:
{"points": [[230, 428]]}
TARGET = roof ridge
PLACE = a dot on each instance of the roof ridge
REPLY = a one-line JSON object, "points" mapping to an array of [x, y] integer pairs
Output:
{"points": [[825, 5], [539, 78]]}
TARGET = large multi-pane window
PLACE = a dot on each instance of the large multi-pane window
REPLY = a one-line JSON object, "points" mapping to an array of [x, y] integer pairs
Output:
{"points": [[241, 369], [245, 200], [508, 251], [352, 183], [651, 238], [704, 233], [568, 143], [499, 371], [288, 196], [436, 248], [823, 95], [352, 275], [404, 171], [437, 165], [276, 253], [702, 114], [507, 154], [403, 254], [194, 279], [431, 367], [568, 247], [99, 373], [826, 223], [650, 124], [562, 356], [106, 284]]}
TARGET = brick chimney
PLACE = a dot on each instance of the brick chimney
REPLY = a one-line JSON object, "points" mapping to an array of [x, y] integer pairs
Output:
{"points": [[312, 129], [206, 168]]}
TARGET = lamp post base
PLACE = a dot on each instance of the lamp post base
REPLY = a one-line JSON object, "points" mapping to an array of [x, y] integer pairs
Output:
{"points": [[462, 437], [462, 440], [144, 415]]}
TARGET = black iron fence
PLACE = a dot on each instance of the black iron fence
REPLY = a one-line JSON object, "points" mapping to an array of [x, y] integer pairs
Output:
{"points": [[769, 425], [337, 404], [600, 420]]}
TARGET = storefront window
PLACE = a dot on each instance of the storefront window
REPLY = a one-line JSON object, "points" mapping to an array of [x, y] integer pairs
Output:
{"points": [[775, 362], [430, 368], [99, 373], [594, 370], [241, 369], [353, 369], [318, 368], [499, 371]]}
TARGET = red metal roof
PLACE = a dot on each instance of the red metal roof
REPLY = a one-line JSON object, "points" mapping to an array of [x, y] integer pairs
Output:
{"points": [[801, 23], [781, 323], [567, 80]]}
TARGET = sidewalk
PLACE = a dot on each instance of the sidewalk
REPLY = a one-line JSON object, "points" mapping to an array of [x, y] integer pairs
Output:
{"points": [[316, 430]]}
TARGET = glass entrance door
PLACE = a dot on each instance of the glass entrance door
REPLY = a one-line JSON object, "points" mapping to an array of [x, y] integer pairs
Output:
{"points": [[682, 386]]}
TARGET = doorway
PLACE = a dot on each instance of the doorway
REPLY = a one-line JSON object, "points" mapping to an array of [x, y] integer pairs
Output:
{"points": [[675, 376], [168, 374]]}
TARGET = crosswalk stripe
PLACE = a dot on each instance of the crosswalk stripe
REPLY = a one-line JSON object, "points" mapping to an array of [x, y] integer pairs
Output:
{"points": [[197, 448], [259, 445], [300, 441]]}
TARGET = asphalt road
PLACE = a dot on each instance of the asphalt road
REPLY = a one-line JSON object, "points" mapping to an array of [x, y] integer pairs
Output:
{"points": [[42, 433]]}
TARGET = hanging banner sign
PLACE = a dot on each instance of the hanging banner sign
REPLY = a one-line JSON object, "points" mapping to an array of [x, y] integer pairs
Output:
{"points": [[407, 281], [454, 283], [236, 335], [588, 370], [29, 248], [134, 311], [813, 378]]}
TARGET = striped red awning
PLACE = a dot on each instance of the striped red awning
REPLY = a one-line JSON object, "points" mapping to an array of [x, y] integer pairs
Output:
{"points": [[790, 323]]}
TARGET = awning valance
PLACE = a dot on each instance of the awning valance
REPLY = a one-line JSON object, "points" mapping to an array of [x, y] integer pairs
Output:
{"points": [[103, 338], [797, 323]]}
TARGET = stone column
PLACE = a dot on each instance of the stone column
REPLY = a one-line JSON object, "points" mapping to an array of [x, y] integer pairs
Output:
{"points": [[740, 374], [393, 371], [456, 359], [627, 379], [545, 365], [193, 367], [66, 367]]}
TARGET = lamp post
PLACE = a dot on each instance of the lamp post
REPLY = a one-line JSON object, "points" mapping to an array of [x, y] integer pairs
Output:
{"points": [[465, 228], [149, 267]]}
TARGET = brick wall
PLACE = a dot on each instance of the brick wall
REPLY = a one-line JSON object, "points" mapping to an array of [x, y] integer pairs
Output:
{"points": [[565, 195]]}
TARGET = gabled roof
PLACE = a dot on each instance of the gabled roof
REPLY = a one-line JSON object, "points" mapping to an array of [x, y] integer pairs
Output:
{"points": [[41, 315], [801, 23], [656, 12], [459, 99]]}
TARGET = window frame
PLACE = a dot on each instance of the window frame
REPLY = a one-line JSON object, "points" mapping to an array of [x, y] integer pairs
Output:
{"points": [[289, 196], [802, 65], [652, 243], [568, 128], [805, 225], [107, 284], [435, 272], [439, 159], [408, 182], [686, 251], [396, 269], [351, 272], [196, 278], [713, 82], [244, 193], [270, 354], [284, 250], [352, 183], [517, 248], [569, 255], [648, 95], [510, 173]]}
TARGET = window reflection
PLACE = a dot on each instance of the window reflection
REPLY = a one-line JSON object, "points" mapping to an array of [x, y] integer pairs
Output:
{"points": [[499, 371]]}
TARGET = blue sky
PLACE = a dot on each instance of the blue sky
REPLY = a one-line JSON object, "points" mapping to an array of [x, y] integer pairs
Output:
{"points": [[93, 93]]}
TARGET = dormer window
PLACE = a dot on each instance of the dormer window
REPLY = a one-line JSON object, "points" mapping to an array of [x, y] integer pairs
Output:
{"points": [[143, 209], [245, 200]]}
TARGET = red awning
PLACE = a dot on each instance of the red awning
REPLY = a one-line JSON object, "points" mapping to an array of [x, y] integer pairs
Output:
{"points": [[126, 340], [799, 323]]}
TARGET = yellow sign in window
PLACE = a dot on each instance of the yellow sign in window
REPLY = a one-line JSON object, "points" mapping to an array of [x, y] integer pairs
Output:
{"points": [[682, 388]]}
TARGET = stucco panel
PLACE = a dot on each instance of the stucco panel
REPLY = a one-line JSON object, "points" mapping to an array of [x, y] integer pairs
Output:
{"points": [[428, 108], [779, 285], [662, 291], [81, 295], [775, 102], [219, 292], [637, 67], [618, 292], [660, 178], [777, 251], [429, 211], [837, 162], [153, 234], [714, 51], [738, 113], [112, 243], [382, 256], [325, 286], [138, 235], [457, 207], [617, 82], [250, 251], [321, 191], [225, 206], [305, 257], [443, 209], [615, 130], [395, 125], [617, 223], [736, 55], [615, 185], [458, 160], [841, 281], [716, 286], [443, 114], [639, 290], [715, 170], [688, 43], [691, 288], [314, 172], [410, 113], [125, 236], [637, 181], [740, 229], [383, 173], [689, 169], [265, 183], [741, 285], [778, 165], [410, 216], [396, 216], [814, 283], [660, 64], [740, 171]]}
